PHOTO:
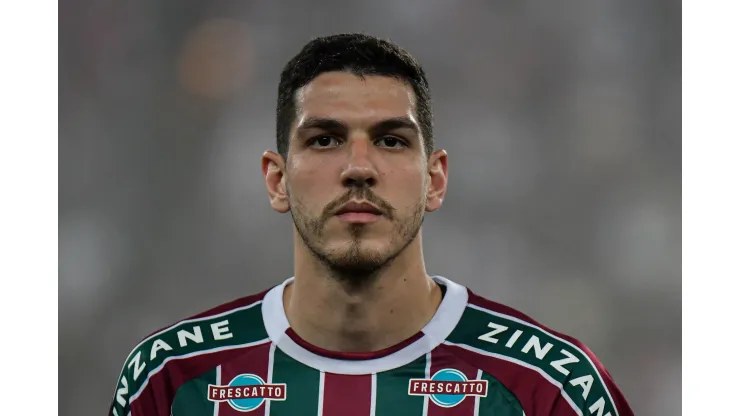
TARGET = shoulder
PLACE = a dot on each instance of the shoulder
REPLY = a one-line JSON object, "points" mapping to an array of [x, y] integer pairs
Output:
{"points": [[189, 347], [520, 351], [506, 322]]}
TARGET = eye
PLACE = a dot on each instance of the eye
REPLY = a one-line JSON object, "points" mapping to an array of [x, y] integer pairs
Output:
{"points": [[392, 142], [323, 141]]}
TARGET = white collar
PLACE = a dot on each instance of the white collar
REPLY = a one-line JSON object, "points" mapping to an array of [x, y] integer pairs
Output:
{"points": [[439, 327]]}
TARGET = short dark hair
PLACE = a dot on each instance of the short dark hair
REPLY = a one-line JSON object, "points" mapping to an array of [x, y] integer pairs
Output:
{"points": [[360, 55]]}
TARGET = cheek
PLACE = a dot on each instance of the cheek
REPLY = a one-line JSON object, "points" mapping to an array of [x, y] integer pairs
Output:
{"points": [[409, 184], [310, 185]]}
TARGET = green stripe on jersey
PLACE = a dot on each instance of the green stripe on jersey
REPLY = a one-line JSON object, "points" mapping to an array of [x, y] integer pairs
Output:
{"points": [[302, 386], [499, 401], [191, 398], [392, 390], [560, 362]]}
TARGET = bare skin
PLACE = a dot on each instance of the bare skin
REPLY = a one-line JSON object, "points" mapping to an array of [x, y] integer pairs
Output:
{"points": [[360, 281]]}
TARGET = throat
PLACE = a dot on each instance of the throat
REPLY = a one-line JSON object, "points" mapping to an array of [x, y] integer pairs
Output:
{"points": [[359, 324]]}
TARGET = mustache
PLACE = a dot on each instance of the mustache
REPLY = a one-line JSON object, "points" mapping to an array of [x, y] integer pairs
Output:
{"points": [[359, 194]]}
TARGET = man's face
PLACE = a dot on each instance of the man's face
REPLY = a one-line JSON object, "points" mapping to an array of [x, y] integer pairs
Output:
{"points": [[356, 140]]}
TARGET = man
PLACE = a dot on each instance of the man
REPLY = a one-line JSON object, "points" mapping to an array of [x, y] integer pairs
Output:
{"points": [[361, 329]]}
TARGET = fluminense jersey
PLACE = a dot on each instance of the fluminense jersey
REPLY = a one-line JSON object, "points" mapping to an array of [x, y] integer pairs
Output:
{"points": [[475, 357]]}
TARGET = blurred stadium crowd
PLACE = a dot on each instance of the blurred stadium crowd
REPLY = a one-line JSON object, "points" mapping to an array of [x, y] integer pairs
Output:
{"points": [[561, 120]]}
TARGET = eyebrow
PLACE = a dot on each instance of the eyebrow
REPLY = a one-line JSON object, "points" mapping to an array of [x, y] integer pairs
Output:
{"points": [[332, 125], [328, 124], [394, 123]]}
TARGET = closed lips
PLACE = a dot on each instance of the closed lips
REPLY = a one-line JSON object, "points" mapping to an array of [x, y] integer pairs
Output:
{"points": [[358, 207]]}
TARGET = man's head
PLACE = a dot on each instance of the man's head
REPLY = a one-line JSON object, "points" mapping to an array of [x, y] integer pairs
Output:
{"points": [[361, 55], [355, 163]]}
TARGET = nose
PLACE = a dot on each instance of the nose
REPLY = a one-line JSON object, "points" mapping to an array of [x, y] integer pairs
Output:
{"points": [[359, 171]]}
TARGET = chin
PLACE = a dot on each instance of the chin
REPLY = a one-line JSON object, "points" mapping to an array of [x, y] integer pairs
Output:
{"points": [[363, 247], [363, 257]]}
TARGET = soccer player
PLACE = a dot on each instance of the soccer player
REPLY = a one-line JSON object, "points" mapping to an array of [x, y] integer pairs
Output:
{"points": [[361, 328]]}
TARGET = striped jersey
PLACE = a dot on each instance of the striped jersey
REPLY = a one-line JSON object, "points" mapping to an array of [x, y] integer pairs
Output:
{"points": [[475, 357]]}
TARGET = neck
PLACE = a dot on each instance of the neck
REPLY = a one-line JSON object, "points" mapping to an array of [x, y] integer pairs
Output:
{"points": [[335, 315]]}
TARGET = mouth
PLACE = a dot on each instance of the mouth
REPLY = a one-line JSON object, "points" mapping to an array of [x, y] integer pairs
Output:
{"points": [[359, 213]]}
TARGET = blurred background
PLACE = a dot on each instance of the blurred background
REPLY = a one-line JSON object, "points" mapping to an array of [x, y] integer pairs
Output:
{"points": [[561, 120]]}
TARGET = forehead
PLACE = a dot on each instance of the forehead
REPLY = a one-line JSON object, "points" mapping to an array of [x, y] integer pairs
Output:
{"points": [[352, 99]]}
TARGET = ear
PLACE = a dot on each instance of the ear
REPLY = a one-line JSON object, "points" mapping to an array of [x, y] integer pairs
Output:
{"points": [[273, 170], [437, 188]]}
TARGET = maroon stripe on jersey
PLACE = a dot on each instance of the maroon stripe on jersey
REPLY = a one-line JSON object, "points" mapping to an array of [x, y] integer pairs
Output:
{"points": [[352, 355], [536, 397], [150, 401], [255, 361], [443, 359], [347, 394]]}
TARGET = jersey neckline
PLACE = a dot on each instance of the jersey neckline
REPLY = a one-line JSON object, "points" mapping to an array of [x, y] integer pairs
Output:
{"points": [[352, 356], [434, 333]]}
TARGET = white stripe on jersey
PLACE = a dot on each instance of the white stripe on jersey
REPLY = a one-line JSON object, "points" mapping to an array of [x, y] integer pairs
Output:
{"points": [[270, 365], [373, 392], [217, 405], [427, 375], [322, 377], [477, 398]]}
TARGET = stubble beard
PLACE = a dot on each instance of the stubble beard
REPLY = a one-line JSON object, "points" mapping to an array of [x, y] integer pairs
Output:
{"points": [[353, 264]]}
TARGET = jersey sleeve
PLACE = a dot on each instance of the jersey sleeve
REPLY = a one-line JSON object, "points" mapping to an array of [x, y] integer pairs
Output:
{"points": [[582, 384], [168, 358], [120, 406], [550, 373], [136, 393]]}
